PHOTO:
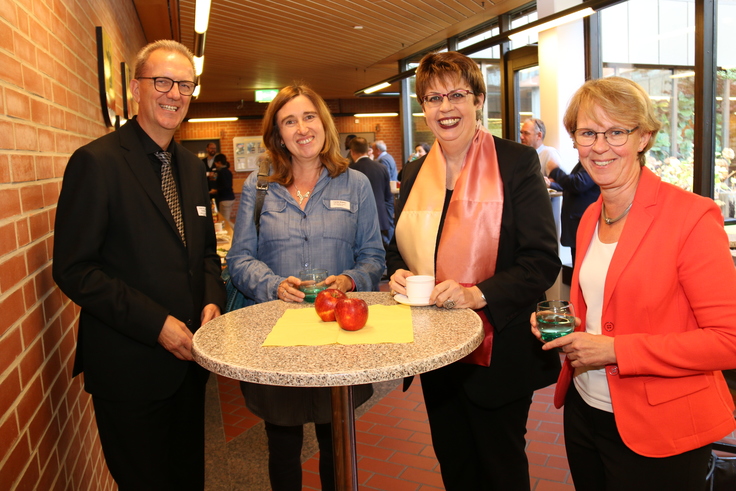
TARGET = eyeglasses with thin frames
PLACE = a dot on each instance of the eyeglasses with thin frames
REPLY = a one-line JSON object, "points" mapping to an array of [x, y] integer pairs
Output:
{"points": [[615, 137], [164, 84], [454, 96]]}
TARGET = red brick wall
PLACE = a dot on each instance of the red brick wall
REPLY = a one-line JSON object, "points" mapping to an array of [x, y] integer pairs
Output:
{"points": [[49, 106]]}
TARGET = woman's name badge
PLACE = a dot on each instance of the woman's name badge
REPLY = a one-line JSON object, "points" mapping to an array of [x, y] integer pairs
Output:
{"points": [[338, 203], [202, 211]]}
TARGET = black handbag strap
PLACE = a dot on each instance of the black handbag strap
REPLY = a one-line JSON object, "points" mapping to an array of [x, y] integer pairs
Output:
{"points": [[264, 169]]}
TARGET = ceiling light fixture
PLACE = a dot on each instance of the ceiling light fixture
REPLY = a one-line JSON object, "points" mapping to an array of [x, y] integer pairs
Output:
{"points": [[211, 120], [683, 75], [376, 88], [202, 16], [198, 65], [376, 115]]}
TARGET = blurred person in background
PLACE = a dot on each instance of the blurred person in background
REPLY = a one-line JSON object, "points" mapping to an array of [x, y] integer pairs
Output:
{"points": [[223, 192]]}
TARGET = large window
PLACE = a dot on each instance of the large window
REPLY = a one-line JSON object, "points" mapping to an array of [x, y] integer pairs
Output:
{"points": [[652, 43], [725, 124], [489, 61]]}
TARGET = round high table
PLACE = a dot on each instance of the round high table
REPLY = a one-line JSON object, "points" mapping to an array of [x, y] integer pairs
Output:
{"points": [[230, 345]]}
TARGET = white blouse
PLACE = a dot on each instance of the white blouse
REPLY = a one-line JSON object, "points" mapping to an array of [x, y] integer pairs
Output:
{"points": [[591, 382]]}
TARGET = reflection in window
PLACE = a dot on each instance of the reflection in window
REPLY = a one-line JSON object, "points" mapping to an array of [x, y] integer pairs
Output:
{"points": [[492, 114], [477, 36], [521, 19], [420, 132], [529, 101]]}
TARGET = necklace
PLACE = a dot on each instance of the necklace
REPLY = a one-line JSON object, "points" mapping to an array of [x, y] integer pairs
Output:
{"points": [[611, 221], [299, 195]]}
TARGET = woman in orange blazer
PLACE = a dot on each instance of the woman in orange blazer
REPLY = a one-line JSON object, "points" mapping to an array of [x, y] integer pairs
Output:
{"points": [[655, 290]]}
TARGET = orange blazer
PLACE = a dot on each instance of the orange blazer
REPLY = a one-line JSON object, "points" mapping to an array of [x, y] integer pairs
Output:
{"points": [[670, 302]]}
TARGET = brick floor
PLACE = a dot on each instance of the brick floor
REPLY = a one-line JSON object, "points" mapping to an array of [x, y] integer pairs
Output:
{"points": [[394, 446], [395, 450]]}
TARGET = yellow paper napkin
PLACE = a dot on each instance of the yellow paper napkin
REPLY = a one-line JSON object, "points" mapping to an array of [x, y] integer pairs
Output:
{"points": [[303, 327]]}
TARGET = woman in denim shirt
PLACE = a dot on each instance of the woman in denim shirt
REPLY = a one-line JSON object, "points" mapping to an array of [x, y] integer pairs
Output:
{"points": [[317, 213]]}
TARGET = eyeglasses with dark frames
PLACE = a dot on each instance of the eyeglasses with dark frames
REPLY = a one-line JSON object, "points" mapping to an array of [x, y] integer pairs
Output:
{"points": [[164, 84], [615, 137], [454, 96]]}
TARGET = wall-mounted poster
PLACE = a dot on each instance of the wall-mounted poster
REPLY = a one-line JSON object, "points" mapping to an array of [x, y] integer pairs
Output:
{"points": [[105, 76], [127, 94], [247, 151]]}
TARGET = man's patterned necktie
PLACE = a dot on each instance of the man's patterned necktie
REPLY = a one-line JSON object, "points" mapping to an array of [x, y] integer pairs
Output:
{"points": [[168, 186]]}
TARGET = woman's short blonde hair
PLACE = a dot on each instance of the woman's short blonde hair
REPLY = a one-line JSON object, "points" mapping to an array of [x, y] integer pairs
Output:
{"points": [[621, 100], [280, 156]]}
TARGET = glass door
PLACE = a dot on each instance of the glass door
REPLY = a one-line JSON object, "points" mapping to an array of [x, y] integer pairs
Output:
{"points": [[521, 89]]}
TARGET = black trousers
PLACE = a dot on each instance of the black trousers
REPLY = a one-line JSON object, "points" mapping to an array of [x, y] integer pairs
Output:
{"points": [[156, 445], [600, 461], [284, 456], [479, 449]]}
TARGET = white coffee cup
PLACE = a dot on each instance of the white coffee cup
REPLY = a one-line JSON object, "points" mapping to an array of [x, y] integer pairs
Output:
{"points": [[394, 186], [218, 227], [419, 288]]}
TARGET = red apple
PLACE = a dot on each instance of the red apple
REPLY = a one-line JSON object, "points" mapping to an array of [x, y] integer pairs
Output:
{"points": [[325, 303], [351, 313]]}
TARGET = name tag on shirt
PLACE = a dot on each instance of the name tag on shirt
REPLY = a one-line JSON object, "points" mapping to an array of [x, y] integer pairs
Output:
{"points": [[202, 211], [338, 203]]}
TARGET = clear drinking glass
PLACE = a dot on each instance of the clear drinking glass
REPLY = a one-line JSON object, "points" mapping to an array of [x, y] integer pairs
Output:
{"points": [[555, 318], [313, 282]]}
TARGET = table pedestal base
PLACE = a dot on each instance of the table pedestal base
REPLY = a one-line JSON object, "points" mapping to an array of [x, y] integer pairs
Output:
{"points": [[343, 439]]}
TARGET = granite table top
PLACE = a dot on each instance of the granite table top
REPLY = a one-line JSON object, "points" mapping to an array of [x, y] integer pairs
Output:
{"points": [[230, 345]]}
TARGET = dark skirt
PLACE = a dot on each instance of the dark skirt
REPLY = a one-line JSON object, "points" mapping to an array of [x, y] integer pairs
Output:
{"points": [[292, 406]]}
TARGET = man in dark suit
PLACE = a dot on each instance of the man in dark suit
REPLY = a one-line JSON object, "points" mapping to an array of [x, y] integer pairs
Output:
{"points": [[210, 167], [135, 248], [381, 155], [578, 192], [378, 176]]}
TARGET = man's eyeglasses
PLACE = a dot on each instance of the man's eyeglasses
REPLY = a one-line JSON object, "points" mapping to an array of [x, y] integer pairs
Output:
{"points": [[164, 84], [615, 136], [455, 97]]}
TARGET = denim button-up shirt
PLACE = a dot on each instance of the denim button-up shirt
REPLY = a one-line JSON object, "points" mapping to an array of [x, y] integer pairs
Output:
{"points": [[337, 230]]}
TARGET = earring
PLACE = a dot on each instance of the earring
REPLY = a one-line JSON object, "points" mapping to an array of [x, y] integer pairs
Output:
{"points": [[282, 143]]}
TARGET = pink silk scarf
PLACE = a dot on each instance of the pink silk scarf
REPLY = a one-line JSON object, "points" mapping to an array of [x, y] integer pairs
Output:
{"points": [[468, 247]]}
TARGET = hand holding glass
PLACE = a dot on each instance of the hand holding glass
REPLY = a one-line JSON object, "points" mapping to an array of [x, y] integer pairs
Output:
{"points": [[313, 282], [555, 318]]}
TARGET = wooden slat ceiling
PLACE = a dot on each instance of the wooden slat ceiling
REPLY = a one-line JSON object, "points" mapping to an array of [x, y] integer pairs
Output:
{"points": [[261, 44]]}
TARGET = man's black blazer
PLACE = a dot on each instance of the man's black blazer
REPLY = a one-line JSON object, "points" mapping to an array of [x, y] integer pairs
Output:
{"points": [[527, 265], [578, 192], [118, 255], [378, 176]]}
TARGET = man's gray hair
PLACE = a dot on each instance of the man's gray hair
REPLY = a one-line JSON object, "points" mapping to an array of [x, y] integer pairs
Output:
{"points": [[161, 44], [539, 125], [380, 145]]}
